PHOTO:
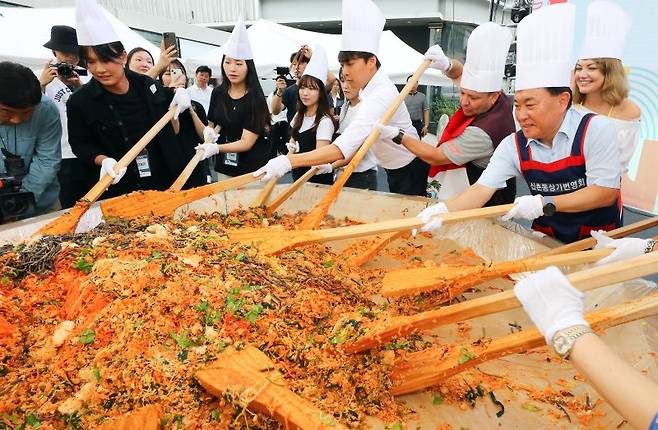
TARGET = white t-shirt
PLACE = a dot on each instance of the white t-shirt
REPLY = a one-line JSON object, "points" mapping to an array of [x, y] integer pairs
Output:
{"points": [[282, 115], [201, 96], [325, 130], [59, 93]]}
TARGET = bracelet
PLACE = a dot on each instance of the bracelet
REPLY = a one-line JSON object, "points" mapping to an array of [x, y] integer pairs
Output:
{"points": [[651, 244]]}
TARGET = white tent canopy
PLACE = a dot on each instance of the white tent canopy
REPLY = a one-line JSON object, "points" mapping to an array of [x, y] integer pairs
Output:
{"points": [[273, 43], [25, 30]]}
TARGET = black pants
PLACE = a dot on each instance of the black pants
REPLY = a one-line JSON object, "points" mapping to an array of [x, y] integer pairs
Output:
{"points": [[410, 179], [279, 135], [418, 125], [75, 180], [363, 180]]}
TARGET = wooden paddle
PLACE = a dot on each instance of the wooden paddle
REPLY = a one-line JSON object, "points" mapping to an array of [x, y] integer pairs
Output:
{"points": [[165, 203], [427, 368], [265, 193], [380, 332], [66, 223], [276, 242], [145, 418], [315, 216], [590, 242], [251, 376], [179, 183], [457, 279], [359, 253], [274, 205]]}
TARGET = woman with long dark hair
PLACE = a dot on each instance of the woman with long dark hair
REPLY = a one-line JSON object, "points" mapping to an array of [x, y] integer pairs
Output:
{"points": [[116, 108], [313, 125], [239, 107], [190, 125]]}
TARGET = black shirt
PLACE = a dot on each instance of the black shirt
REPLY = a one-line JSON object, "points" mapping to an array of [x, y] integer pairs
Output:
{"points": [[289, 100], [189, 139], [234, 118], [101, 123]]}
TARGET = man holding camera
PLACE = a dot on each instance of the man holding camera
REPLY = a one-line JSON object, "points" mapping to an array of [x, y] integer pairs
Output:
{"points": [[59, 80], [30, 133]]}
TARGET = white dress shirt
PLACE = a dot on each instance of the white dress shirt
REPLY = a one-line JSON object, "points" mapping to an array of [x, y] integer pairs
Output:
{"points": [[201, 96], [347, 115], [600, 150], [376, 98]]}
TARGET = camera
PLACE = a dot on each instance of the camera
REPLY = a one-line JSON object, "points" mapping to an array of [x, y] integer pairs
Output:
{"points": [[14, 203], [284, 71], [65, 70]]}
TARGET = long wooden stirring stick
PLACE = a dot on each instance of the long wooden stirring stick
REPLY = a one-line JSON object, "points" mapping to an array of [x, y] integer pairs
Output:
{"points": [[427, 368], [265, 193], [281, 198], [315, 216], [381, 332], [67, 222]]}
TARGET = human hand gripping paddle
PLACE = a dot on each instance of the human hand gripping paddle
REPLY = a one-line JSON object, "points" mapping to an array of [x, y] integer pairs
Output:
{"points": [[67, 223], [315, 216]]}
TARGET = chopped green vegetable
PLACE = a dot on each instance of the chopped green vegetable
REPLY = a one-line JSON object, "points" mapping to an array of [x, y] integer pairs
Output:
{"points": [[214, 415], [328, 264], [327, 420], [465, 356], [396, 345], [32, 421], [395, 426], [83, 265], [497, 403], [241, 257], [182, 339], [232, 304], [235, 222], [96, 373], [339, 339], [253, 314], [530, 407], [87, 336], [154, 255], [437, 400]]}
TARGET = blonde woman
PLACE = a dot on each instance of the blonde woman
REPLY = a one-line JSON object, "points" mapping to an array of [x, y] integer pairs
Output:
{"points": [[601, 87], [600, 79]]}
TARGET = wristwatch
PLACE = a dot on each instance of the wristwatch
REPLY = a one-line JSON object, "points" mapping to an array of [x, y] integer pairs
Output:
{"points": [[564, 340], [398, 139], [549, 206]]}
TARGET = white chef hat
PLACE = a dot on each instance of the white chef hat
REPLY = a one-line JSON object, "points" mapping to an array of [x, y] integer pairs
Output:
{"points": [[363, 24], [544, 44], [318, 66], [238, 46], [486, 54], [91, 24], [607, 27]]}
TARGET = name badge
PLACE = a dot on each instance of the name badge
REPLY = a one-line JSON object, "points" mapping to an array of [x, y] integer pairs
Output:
{"points": [[231, 159], [143, 165]]}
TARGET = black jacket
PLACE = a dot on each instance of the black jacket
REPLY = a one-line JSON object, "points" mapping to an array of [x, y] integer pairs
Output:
{"points": [[95, 128]]}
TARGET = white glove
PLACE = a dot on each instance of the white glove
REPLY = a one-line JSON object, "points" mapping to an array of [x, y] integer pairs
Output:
{"points": [[293, 147], [275, 168], [438, 58], [324, 168], [107, 168], [623, 248], [429, 217], [209, 149], [526, 207], [181, 100], [386, 131], [552, 303], [209, 135]]}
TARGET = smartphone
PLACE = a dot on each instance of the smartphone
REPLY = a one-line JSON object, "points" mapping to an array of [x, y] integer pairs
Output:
{"points": [[170, 39], [175, 73]]}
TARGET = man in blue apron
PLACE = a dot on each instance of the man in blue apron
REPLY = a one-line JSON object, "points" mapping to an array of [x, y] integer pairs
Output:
{"points": [[569, 159]]}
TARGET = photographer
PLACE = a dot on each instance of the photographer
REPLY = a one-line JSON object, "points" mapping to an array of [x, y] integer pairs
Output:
{"points": [[30, 130], [280, 129], [58, 81]]}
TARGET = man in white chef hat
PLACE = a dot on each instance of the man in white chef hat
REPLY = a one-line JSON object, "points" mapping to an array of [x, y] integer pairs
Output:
{"points": [[484, 118], [363, 23], [569, 159]]}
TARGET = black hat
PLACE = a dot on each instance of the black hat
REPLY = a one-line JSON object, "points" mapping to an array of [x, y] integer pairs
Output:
{"points": [[63, 38]]}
